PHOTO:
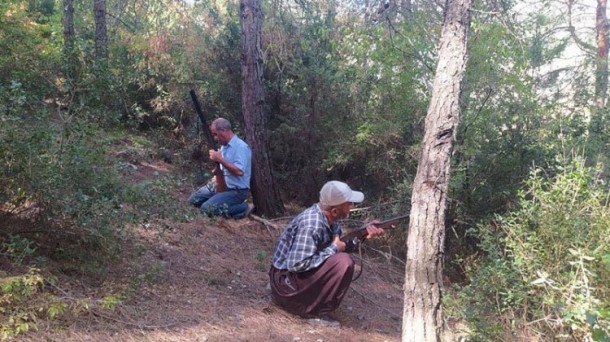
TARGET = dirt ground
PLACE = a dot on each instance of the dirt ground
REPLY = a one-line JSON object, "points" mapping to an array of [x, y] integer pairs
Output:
{"points": [[206, 280]]}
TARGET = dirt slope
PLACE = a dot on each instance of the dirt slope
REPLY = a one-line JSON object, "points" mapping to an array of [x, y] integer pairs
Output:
{"points": [[206, 280]]}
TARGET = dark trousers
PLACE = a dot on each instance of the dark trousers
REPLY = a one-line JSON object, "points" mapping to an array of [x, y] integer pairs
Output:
{"points": [[316, 291]]}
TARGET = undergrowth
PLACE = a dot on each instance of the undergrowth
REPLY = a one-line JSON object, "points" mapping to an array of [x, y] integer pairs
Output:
{"points": [[546, 267], [63, 202]]}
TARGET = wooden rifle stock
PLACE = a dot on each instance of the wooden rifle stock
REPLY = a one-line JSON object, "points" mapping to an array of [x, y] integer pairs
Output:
{"points": [[221, 184], [360, 234]]}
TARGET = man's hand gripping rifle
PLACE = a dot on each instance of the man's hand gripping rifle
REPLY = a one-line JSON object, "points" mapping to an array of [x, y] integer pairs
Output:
{"points": [[358, 235], [219, 177]]}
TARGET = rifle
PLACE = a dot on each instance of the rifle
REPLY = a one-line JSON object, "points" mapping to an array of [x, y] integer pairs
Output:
{"points": [[221, 184], [359, 234]]}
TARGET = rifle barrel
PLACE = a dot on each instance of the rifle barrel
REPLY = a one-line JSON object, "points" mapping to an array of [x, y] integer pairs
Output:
{"points": [[360, 233], [386, 222], [221, 184], [204, 123]]}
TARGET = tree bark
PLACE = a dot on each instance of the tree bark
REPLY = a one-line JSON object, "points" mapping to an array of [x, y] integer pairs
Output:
{"points": [[601, 70], [422, 313], [265, 194], [68, 23], [101, 35]]}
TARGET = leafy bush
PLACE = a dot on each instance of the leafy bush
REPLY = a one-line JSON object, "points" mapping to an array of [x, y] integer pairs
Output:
{"points": [[17, 248], [26, 301], [56, 175], [15, 315], [61, 199], [60, 174], [547, 267]]}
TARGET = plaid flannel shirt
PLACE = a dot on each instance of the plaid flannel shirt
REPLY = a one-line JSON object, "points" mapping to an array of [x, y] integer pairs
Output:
{"points": [[306, 242]]}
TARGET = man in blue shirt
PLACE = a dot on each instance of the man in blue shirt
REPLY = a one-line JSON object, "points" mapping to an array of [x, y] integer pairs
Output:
{"points": [[235, 159], [311, 269]]}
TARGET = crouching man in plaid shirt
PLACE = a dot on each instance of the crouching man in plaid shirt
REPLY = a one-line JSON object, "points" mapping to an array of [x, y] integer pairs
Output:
{"points": [[311, 269]]}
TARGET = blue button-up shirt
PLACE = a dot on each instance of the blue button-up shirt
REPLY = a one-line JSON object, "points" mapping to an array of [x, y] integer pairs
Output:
{"points": [[237, 152], [307, 241]]}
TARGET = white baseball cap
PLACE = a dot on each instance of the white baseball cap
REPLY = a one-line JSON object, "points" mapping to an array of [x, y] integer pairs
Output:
{"points": [[334, 193]]}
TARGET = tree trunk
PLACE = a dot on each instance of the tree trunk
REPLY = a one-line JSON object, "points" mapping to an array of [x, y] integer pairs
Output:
{"points": [[601, 72], [598, 138], [422, 313], [266, 197], [70, 66], [68, 22], [101, 36]]}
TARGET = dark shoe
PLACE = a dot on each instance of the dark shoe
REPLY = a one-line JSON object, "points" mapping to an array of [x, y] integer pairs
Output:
{"points": [[249, 210], [325, 321]]}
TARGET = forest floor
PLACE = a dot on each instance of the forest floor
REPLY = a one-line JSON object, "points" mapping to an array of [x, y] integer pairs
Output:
{"points": [[206, 280]]}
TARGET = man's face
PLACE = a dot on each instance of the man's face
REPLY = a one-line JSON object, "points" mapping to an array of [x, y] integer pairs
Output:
{"points": [[220, 135], [343, 210]]}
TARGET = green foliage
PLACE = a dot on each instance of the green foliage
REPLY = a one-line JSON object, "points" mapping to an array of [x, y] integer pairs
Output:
{"points": [[44, 8], [598, 140], [111, 301], [152, 274], [547, 262], [305, 95], [55, 310], [60, 180], [25, 301], [28, 46], [504, 128], [20, 308], [334, 80], [57, 178], [355, 87], [17, 248], [68, 164]]}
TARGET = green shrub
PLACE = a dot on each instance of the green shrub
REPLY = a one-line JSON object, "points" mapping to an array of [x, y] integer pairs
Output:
{"points": [[547, 266], [62, 200], [18, 312], [17, 248], [57, 176], [26, 301], [62, 173]]}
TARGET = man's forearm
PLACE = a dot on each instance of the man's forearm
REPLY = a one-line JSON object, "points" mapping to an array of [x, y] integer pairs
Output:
{"points": [[231, 167]]}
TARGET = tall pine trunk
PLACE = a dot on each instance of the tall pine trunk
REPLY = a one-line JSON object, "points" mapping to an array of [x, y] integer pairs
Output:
{"points": [[598, 139], [266, 196], [101, 35], [422, 313], [68, 25]]}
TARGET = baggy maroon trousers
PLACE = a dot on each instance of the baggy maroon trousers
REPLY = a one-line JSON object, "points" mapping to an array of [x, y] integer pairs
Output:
{"points": [[316, 291]]}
